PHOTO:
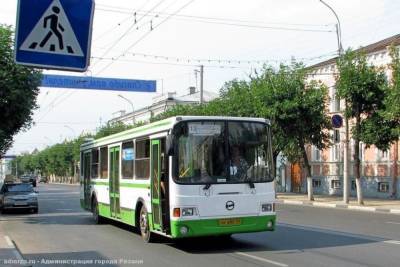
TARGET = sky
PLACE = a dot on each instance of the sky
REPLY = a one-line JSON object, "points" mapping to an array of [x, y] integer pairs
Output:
{"points": [[225, 32]]}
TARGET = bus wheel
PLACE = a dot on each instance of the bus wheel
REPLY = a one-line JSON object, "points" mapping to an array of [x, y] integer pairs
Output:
{"points": [[95, 210], [147, 236]]}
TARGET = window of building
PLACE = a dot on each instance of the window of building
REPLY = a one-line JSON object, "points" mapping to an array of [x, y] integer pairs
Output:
{"points": [[383, 187], [316, 154], [335, 101], [142, 160], [316, 183], [335, 184], [104, 162], [382, 155], [95, 163], [128, 157], [335, 152]]}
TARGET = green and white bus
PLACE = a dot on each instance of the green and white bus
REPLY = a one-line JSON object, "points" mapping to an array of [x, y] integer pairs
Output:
{"points": [[183, 177]]}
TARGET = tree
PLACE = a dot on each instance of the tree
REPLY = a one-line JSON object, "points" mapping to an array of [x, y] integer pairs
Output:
{"points": [[364, 88], [18, 92], [392, 112], [297, 111]]}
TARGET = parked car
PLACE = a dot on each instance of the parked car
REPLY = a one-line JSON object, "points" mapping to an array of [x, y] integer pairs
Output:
{"points": [[44, 179], [28, 179], [18, 196]]}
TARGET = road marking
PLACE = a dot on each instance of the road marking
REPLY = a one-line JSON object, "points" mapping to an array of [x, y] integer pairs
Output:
{"points": [[393, 222], [331, 231], [352, 207], [395, 242], [294, 202], [396, 211], [9, 242], [327, 205], [335, 232], [262, 259]]}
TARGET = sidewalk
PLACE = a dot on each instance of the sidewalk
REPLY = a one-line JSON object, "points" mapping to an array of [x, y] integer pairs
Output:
{"points": [[370, 204], [9, 255]]}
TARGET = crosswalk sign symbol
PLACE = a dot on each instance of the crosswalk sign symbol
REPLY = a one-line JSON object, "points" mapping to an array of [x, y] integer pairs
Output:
{"points": [[54, 34]]}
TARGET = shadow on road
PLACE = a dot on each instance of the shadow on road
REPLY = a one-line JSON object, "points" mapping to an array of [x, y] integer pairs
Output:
{"points": [[284, 239], [83, 258]]}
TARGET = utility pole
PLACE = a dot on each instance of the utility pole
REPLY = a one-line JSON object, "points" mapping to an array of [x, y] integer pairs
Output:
{"points": [[346, 163], [201, 83]]}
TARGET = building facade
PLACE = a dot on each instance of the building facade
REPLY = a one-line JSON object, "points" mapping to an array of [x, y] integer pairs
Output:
{"points": [[162, 103], [377, 167]]}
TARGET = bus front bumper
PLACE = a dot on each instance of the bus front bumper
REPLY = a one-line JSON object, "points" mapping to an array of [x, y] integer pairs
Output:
{"points": [[222, 226]]}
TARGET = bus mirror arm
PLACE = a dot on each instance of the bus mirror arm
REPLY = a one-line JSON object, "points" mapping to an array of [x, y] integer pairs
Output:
{"points": [[207, 186], [170, 147]]}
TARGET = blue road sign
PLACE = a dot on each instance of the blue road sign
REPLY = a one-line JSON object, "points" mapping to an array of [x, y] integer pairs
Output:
{"points": [[82, 82], [337, 121], [54, 34]]}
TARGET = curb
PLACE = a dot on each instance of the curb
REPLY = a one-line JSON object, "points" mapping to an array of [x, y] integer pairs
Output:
{"points": [[338, 206]]}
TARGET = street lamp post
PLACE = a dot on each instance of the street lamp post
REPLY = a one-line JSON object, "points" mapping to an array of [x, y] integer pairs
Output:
{"points": [[72, 130], [133, 109], [346, 121]]}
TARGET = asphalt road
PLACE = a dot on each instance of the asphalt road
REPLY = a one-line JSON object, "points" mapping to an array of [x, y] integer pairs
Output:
{"points": [[61, 234]]}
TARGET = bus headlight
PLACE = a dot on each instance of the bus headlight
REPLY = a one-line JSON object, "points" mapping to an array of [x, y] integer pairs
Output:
{"points": [[268, 207], [188, 212]]}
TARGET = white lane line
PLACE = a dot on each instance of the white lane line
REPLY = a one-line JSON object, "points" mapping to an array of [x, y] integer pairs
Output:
{"points": [[9, 242], [344, 234], [395, 242], [262, 259], [393, 222]]}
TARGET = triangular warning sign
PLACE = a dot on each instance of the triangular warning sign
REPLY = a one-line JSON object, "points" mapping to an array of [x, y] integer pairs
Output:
{"points": [[53, 34]]}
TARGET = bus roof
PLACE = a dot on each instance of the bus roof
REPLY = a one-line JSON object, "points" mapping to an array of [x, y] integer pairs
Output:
{"points": [[157, 127]]}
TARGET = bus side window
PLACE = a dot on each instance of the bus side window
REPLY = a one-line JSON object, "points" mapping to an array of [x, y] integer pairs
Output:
{"points": [[142, 160], [95, 164], [104, 163]]}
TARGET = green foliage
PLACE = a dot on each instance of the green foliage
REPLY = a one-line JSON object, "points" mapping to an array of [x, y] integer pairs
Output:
{"points": [[295, 107], [18, 92], [365, 88], [112, 128], [392, 101], [60, 159]]}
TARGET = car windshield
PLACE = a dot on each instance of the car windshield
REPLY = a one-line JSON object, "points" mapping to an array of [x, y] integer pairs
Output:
{"points": [[18, 188], [222, 152]]}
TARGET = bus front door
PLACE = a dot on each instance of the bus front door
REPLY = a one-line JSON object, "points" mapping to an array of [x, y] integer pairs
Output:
{"points": [[114, 182], [155, 184]]}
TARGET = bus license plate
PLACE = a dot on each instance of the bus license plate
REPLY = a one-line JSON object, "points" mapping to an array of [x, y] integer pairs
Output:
{"points": [[227, 222]]}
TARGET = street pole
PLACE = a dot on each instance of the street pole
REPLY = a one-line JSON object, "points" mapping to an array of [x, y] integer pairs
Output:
{"points": [[72, 130], [346, 120], [201, 83], [133, 109]]}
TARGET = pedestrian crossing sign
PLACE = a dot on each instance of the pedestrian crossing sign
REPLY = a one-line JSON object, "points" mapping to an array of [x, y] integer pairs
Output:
{"points": [[54, 34]]}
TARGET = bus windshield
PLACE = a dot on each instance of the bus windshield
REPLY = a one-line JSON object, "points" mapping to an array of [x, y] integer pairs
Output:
{"points": [[214, 152]]}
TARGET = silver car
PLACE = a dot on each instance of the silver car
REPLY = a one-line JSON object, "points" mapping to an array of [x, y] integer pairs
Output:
{"points": [[18, 196]]}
